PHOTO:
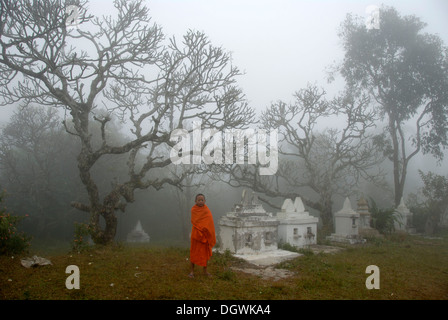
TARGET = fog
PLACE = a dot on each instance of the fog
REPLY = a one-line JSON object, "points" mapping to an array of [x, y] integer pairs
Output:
{"points": [[281, 46]]}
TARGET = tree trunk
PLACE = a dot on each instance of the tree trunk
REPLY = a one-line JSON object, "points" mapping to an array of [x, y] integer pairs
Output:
{"points": [[327, 216], [398, 182], [107, 211], [104, 236]]}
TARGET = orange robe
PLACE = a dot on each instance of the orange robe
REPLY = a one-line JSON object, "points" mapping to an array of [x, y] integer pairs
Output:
{"points": [[203, 237]]}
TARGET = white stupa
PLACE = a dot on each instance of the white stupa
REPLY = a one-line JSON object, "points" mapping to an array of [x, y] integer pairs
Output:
{"points": [[297, 227], [346, 222], [138, 234]]}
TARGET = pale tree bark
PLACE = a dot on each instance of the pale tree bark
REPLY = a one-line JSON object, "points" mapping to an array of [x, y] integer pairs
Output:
{"points": [[317, 165], [125, 64]]}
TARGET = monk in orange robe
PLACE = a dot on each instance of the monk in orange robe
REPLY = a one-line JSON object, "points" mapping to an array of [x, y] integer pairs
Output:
{"points": [[203, 237]]}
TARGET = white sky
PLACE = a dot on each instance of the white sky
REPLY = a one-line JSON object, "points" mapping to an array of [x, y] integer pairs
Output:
{"points": [[280, 45]]}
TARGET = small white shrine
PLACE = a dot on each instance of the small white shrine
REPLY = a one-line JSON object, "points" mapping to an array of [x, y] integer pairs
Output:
{"points": [[364, 227], [251, 233], [364, 214], [297, 227], [248, 228], [346, 222], [138, 234], [403, 221]]}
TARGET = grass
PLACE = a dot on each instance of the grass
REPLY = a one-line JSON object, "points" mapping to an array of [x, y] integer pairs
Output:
{"points": [[411, 268]]}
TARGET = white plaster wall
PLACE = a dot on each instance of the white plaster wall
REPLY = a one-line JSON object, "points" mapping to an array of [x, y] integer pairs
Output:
{"points": [[226, 235], [401, 223], [286, 234], [234, 238], [344, 225]]}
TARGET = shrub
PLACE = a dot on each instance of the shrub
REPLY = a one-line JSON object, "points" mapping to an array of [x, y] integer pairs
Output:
{"points": [[287, 246], [382, 219], [80, 241], [11, 240], [420, 215], [222, 259]]}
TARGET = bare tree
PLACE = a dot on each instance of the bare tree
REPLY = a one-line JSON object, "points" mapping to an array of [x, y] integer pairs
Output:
{"points": [[328, 162], [124, 64]]}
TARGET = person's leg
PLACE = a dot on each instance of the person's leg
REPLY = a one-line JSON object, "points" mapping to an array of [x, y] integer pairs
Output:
{"points": [[191, 275], [206, 273]]}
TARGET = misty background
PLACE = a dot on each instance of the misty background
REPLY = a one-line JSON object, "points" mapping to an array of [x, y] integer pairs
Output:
{"points": [[281, 47]]}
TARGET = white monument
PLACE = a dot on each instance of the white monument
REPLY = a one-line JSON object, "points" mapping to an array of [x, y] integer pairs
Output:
{"points": [[364, 214], [248, 228], [138, 234], [364, 227], [403, 221], [250, 233], [296, 227], [346, 222]]}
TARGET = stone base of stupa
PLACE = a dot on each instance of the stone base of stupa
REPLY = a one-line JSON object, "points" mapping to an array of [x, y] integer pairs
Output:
{"points": [[268, 258], [349, 239]]}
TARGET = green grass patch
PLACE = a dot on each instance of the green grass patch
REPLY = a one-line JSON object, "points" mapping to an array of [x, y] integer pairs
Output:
{"points": [[411, 267]]}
